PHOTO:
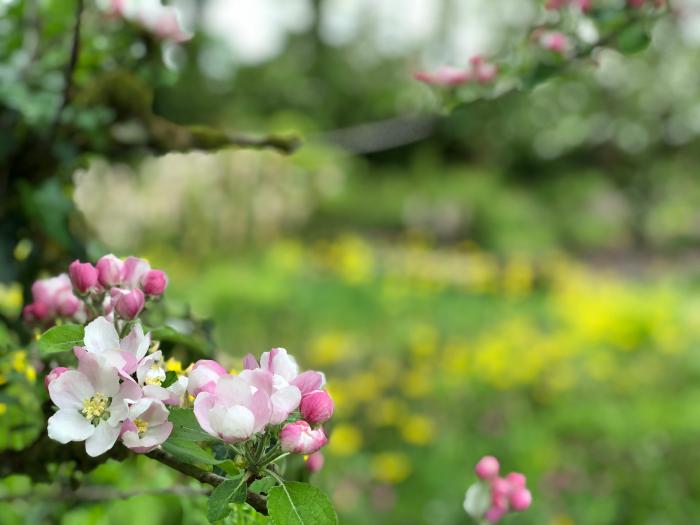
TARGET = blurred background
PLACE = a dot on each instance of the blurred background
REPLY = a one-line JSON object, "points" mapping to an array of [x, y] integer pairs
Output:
{"points": [[517, 276]]}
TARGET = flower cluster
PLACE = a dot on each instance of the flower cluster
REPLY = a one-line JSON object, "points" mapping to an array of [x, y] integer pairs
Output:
{"points": [[479, 70], [119, 389], [112, 288], [490, 499], [272, 395]]}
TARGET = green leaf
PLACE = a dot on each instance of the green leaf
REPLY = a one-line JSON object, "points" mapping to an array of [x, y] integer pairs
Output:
{"points": [[185, 426], [170, 335], [189, 452], [295, 503], [478, 500], [232, 490], [170, 378], [260, 486], [61, 338], [633, 39]]}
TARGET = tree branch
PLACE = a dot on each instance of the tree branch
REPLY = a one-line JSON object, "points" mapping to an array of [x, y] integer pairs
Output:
{"points": [[254, 500], [98, 493]]}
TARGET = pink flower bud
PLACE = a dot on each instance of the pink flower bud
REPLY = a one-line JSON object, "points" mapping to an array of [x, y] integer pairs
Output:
{"points": [[154, 282], [300, 438], [314, 462], [494, 514], [446, 76], [129, 304], [250, 363], [316, 407], [204, 375], [82, 275], [555, 41], [516, 480], [36, 312], [110, 270], [134, 270], [520, 499], [54, 374], [487, 468]]}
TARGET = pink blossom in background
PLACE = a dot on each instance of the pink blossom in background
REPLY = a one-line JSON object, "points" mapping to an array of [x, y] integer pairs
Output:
{"points": [[300, 438], [487, 467], [446, 76], [83, 276], [110, 270], [555, 41], [128, 303], [314, 462], [163, 21], [154, 282]]}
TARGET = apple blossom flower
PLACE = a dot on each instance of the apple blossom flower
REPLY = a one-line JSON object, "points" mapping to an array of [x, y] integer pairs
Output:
{"points": [[204, 375], [520, 499], [151, 374], [483, 71], [128, 304], [134, 270], [53, 298], [83, 276], [300, 438], [234, 412], [154, 282], [91, 404], [53, 375], [487, 467], [316, 407], [109, 270], [314, 462], [284, 397], [101, 339], [146, 425]]}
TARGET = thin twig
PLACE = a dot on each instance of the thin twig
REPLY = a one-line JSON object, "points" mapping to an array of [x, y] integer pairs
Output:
{"points": [[254, 500], [70, 67], [102, 493]]}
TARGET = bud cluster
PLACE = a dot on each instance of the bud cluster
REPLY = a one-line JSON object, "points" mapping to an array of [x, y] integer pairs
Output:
{"points": [[111, 288], [479, 70], [490, 499]]}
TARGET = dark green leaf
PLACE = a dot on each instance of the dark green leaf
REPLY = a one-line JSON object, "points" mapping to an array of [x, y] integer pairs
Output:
{"points": [[296, 503], [61, 338], [189, 452], [170, 378], [232, 490], [633, 39]]}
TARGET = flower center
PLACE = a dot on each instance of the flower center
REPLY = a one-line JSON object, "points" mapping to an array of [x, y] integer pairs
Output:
{"points": [[141, 426], [95, 408], [155, 376]]}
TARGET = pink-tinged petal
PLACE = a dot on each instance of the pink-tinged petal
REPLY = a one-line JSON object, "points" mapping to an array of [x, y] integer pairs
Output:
{"points": [[250, 363], [487, 468], [284, 401], [495, 514], [136, 343], [300, 438], [154, 282], [520, 499], [232, 424], [101, 336], [128, 426], [109, 270], [69, 425], [102, 439], [516, 480], [204, 375], [308, 381], [232, 390], [259, 378], [103, 376], [134, 270], [279, 362], [153, 438], [54, 374], [70, 390], [129, 392], [130, 363], [314, 462], [261, 406], [316, 407], [156, 392], [202, 405], [145, 365], [156, 413]]}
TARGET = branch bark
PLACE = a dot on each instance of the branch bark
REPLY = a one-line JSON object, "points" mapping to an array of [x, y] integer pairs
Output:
{"points": [[254, 500]]}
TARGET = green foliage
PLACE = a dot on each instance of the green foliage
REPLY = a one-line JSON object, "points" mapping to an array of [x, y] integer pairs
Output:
{"points": [[295, 503], [230, 491], [185, 426], [189, 452], [61, 338]]}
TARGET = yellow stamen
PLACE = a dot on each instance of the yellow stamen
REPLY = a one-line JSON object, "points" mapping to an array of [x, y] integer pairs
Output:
{"points": [[153, 380], [141, 426], [173, 365], [95, 407]]}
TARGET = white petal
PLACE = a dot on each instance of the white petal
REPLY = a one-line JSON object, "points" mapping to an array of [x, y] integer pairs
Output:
{"points": [[102, 439], [69, 425], [232, 390], [70, 390], [136, 342], [100, 336], [232, 424], [284, 401], [103, 376]]}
